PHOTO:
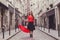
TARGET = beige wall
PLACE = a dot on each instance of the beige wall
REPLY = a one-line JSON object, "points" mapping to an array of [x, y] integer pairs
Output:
{"points": [[57, 16], [57, 12]]}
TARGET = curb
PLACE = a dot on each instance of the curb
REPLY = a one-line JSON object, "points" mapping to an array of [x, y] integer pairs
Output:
{"points": [[49, 35], [12, 36]]}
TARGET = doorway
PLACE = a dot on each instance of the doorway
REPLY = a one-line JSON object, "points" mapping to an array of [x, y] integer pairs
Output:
{"points": [[10, 23], [52, 22], [2, 17]]}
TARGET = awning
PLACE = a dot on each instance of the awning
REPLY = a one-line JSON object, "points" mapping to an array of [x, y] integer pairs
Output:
{"points": [[48, 13], [51, 12]]}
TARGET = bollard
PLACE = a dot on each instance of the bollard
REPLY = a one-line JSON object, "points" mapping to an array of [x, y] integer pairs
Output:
{"points": [[9, 31], [59, 30], [41, 27], [44, 28], [48, 30], [3, 31], [15, 28]]}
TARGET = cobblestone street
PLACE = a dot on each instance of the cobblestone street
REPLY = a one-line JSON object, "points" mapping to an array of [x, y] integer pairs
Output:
{"points": [[38, 35]]}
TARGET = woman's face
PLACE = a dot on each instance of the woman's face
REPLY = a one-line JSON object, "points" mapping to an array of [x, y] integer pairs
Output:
{"points": [[30, 13]]}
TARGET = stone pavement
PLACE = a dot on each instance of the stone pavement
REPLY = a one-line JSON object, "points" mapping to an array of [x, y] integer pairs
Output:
{"points": [[37, 35], [6, 36], [53, 33]]}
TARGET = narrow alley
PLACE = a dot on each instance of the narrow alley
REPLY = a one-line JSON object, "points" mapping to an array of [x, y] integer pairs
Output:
{"points": [[38, 35], [29, 19]]}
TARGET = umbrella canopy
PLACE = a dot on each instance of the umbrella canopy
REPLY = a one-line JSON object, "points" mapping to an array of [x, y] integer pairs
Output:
{"points": [[24, 29]]}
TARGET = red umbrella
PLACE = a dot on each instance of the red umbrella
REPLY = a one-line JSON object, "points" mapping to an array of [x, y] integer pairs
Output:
{"points": [[24, 29]]}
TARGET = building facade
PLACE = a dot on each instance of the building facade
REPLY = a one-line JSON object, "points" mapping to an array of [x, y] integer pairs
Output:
{"points": [[10, 14], [3, 12], [49, 16]]}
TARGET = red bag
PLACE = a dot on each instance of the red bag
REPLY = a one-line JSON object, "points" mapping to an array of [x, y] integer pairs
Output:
{"points": [[24, 29]]}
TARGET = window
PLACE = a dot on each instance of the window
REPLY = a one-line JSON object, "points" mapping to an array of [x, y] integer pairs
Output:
{"points": [[51, 5], [47, 8]]}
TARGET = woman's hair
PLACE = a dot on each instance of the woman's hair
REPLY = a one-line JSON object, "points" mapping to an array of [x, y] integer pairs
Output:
{"points": [[30, 13]]}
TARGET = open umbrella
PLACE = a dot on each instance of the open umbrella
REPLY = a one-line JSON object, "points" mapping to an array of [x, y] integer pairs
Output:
{"points": [[24, 29]]}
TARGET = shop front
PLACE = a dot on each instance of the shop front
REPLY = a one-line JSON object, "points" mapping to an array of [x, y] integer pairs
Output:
{"points": [[3, 16], [43, 20], [51, 19], [11, 17]]}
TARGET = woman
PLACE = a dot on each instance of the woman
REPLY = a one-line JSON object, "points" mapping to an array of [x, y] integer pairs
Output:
{"points": [[31, 23]]}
